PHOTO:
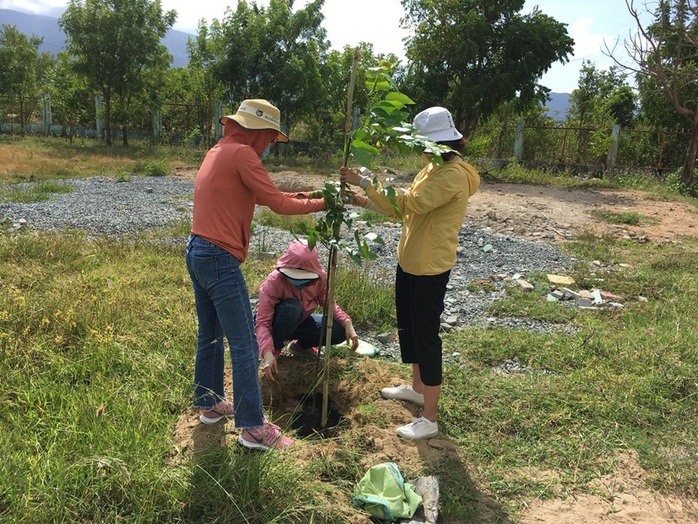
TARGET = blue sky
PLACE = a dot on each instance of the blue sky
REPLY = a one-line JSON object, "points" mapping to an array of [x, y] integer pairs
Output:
{"points": [[589, 22]]}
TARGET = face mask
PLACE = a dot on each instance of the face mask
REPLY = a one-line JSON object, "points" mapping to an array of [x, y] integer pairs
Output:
{"points": [[300, 283], [266, 152]]}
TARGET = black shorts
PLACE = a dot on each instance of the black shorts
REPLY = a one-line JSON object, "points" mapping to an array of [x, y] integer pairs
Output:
{"points": [[419, 302]]}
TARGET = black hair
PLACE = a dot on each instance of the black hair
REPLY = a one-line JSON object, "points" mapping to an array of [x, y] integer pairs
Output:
{"points": [[456, 145]]}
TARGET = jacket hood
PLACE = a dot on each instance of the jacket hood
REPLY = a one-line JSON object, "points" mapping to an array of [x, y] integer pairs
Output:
{"points": [[299, 256]]}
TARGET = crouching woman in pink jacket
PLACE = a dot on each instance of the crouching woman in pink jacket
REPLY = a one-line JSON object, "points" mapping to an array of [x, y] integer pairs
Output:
{"points": [[288, 299]]}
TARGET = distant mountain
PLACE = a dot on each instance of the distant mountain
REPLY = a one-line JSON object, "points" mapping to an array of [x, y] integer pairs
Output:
{"points": [[558, 105], [54, 38]]}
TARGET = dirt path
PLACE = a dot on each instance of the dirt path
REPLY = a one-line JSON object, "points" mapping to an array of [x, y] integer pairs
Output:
{"points": [[550, 213], [533, 212]]}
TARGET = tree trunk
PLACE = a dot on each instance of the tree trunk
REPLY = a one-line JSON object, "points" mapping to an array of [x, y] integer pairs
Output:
{"points": [[22, 117], [690, 160], [124, 135], [107, 119], [466, 123]]}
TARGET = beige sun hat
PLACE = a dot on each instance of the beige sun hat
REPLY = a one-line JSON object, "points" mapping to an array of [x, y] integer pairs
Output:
{"points": [[257, 113], [293, 272]]}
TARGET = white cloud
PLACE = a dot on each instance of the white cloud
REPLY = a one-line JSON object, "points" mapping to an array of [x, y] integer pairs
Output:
{"points": [[190, 13], [347, 22], [587, 44], [23, 5]]}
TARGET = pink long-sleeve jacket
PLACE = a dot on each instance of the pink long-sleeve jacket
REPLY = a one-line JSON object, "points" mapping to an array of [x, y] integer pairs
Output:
{"points": [[277, 287]]}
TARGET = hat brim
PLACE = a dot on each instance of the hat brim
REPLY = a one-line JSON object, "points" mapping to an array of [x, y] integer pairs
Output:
{"points": [[249, 122], [448, 135], [293, 272]]}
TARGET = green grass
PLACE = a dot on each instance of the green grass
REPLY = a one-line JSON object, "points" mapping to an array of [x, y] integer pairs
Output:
{"points": [[515, 173], [630, 218], [36, 159], [37, 192], [297, 224], [96, 341], [96, 354]]}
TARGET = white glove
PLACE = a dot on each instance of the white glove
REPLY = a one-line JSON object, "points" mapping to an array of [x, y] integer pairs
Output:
{"points": [[269, 365], [352, 338], [372, 206]]}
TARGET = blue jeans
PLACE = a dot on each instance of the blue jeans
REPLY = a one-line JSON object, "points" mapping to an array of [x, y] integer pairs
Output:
{"points": [[223, 309], [288, 324]]}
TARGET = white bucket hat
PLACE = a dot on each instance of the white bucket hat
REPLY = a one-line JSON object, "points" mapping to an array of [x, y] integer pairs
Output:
{"points": [[436, 123], [257, 113]]}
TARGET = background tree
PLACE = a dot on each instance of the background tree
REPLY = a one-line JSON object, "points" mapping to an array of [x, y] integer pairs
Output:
{"points": [[473, 55], [71, 100], [665, 59], [494, 138], [23, 70], [330, 121], [602, 97], [206, 89], [274, 53], [113, 43], [601, 100]]}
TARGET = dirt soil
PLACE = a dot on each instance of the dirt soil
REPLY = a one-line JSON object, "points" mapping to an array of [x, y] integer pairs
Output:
{"points": [[549, 213], [533, 212]]}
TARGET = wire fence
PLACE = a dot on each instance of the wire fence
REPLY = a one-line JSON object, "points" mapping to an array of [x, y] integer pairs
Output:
{"points": [[583, 150]]}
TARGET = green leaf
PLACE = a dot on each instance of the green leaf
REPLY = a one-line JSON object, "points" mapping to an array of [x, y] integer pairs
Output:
{"points": [[363, 158], [373, 237], [387, 107], [312, 239], [363, 152], [399, 99]]}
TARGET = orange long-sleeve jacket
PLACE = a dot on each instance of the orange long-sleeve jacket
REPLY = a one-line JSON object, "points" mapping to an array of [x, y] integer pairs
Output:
{"points": [[228, 185]]}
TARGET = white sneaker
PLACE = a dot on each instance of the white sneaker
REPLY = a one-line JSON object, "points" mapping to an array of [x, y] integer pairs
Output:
{"points": [[419, 428], [403, 392]]}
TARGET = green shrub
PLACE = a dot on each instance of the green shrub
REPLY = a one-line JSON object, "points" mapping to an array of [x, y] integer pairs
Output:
{"points": [[157, 168]]}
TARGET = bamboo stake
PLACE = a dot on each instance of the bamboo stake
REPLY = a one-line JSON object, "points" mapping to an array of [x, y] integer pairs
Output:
{"points": [[332, 269], [350, 102]]}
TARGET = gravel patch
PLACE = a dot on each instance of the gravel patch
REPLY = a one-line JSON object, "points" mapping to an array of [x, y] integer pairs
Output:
{"points": [[108, 206]]}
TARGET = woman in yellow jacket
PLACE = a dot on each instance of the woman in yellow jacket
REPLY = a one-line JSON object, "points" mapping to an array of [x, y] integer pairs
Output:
{"points": [[433, 209]]}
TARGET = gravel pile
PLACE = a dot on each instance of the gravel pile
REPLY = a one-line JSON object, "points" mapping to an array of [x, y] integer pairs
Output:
{"points": [[107, 206]]}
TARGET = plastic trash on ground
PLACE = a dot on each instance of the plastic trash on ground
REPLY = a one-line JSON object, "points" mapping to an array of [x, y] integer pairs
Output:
{"points": [[383, 493], [364, 348], [428, 489]]}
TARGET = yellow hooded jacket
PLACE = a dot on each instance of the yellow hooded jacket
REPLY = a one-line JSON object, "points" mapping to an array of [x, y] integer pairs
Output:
{"points": [[433, 209]]}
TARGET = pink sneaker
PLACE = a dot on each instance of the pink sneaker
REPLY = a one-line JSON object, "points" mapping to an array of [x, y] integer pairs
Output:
{"points": [[265, 437], [302, 352], [223, 409]]}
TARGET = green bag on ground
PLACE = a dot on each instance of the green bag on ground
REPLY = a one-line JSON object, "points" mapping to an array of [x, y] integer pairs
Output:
{"points": [[383, 493]]}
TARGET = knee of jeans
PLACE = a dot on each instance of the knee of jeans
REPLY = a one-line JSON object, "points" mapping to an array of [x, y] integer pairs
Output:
{"points": [[289, 307]]}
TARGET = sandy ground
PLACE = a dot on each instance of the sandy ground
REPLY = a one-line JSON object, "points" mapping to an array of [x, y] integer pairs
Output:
{"points": [[553, 214]]}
